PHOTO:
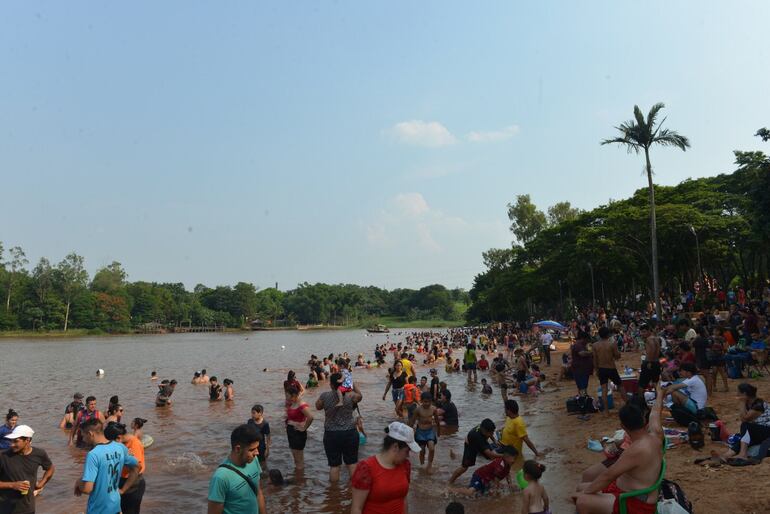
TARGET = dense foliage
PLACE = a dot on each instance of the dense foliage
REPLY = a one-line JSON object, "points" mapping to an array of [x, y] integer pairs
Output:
{"points": [[549, 268], [60, 296]]}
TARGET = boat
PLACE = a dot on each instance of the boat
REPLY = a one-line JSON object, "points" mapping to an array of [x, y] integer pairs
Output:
{"points": [[378, 329]]}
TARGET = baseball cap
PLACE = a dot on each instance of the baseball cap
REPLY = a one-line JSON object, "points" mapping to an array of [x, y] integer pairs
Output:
{"points": [[403, 433], [78, 396], [21, 431]]}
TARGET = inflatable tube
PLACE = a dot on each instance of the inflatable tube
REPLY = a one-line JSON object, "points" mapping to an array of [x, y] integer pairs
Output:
{"points": [[520, 481], [147, 440]]}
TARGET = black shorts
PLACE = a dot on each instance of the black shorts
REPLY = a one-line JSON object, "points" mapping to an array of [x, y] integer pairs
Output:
{"points": [[297, 438], [469, 457], [607, 374], [471, 366], [341, 446], [650, 374], [521, 375]]}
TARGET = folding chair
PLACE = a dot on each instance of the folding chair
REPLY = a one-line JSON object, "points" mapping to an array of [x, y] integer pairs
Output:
{"points": [[639, 492]]}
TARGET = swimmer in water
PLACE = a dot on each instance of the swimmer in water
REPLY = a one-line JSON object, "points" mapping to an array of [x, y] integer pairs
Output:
{"points": [[485, 387], [71, 411], [204, 377], [165, 390], [154, 375], [196, 379], [215, 390], [229, 391]]}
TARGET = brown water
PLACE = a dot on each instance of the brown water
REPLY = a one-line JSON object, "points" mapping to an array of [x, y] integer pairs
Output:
{"points": [[192, 437]]}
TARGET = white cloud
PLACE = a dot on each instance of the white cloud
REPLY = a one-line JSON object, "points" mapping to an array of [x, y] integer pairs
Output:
{"points": [[494, 135], [431, 134], [426, 238], [411, 204]]}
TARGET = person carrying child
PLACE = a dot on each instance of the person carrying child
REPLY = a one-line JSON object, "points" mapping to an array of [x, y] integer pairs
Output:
{"points": [[411, 396], [491, 474]]}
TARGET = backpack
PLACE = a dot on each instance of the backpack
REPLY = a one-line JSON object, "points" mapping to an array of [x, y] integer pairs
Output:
{"points": [[695, 435], [672, 491]]}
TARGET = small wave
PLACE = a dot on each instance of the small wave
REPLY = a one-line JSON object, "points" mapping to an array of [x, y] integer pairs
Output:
{"points": [[187, 462]]}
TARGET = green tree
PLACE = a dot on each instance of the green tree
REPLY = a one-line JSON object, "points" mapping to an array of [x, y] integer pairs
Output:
{"points": [[561, 212], [72, 278], [640, 135], [17, 262], [109, 279], [526, 220]]}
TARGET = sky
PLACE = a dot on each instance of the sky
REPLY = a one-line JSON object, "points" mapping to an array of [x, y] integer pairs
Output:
{"points": [[375, 143]]}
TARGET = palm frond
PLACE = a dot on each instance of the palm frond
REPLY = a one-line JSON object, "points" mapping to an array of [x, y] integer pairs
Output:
{"points": [[639, 116], [654, 114], [668, 137], [630, 144]]}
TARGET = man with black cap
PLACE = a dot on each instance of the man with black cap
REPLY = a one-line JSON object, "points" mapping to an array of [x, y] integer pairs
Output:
{"points": [[71, 411], [18, 472], [476, 443]]}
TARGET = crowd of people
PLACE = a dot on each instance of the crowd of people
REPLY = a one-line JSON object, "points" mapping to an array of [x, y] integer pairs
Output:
{"points": [[681, 360]]}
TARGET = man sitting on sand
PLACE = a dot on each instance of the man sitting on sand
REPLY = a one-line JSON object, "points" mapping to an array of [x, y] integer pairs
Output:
{"points": [[637, 468]]}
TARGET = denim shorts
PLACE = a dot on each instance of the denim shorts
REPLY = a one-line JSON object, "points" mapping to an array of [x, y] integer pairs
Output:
{"points": [[397, 394]]}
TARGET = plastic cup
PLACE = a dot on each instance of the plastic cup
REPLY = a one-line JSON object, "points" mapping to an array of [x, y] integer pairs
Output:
{"points": [[25, 492]]}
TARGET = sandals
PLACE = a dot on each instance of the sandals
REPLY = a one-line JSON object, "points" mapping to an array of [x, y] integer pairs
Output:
{"points": [[740, 462]]}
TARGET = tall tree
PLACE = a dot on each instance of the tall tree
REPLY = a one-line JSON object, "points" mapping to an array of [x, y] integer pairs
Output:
{"points": [[526, 220], [561, 212], [18, 261], [639, 135], [72, 277]]}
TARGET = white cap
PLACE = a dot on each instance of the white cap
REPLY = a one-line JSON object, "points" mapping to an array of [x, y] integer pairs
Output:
{"points": [[403, 433], [690, 336], [21, 431]]}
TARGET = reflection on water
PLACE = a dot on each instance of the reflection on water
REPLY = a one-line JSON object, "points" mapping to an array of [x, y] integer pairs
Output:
{"points": [[192, 436]]}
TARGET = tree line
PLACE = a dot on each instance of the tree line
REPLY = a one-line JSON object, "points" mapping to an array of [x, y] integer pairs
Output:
{"points": [[62, 296], [710, 231]]}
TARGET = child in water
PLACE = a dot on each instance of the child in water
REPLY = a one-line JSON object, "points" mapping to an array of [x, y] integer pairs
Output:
{"points": [[229, 391], [311, 381], [347, 380], [535, 500], [485, 388]]}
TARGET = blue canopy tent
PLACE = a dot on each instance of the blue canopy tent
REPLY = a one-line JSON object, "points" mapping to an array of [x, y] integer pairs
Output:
{"points": [[546, 323]]}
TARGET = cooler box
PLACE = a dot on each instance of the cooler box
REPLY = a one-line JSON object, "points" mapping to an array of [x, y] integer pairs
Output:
{"points": [[630, 383]]}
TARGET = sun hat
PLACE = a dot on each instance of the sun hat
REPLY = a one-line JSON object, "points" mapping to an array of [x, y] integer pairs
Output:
{"points": [[403, 433], [21, 431]]}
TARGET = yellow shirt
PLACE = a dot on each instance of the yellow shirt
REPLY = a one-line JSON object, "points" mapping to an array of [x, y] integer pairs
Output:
{"points": [[514, 432], [408, 369]]}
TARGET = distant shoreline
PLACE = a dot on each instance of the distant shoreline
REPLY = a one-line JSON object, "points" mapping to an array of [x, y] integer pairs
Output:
{"points": [[82, 332]]}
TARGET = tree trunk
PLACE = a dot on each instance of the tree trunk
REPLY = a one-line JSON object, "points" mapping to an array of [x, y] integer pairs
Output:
{"points": [[8, 298], [653, 238], [67, 316]]}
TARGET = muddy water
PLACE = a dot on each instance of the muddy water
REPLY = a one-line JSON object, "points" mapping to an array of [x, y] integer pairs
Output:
{"points": [[192, 437]]}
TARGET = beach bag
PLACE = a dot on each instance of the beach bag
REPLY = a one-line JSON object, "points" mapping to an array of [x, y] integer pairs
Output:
{"points": [[573, 405], [670, 494], [682, 416], [695, 435]]}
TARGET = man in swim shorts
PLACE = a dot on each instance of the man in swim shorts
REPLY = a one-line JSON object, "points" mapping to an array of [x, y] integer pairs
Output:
{"points": [[638, 467], [428, 429]]}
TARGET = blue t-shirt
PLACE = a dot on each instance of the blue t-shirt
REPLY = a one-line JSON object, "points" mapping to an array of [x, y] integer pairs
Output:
{"points": [[233, 491], [103, 466], [4, 431]]}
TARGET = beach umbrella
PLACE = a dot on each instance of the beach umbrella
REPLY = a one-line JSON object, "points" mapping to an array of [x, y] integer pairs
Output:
{"points": [[547, 323]]}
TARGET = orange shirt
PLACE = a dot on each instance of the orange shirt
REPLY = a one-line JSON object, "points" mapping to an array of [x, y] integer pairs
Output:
{"points": [[411, 393], [136, 449]]}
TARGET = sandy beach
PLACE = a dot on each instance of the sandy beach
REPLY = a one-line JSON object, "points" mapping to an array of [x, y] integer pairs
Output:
{"points": [[711, 490]]}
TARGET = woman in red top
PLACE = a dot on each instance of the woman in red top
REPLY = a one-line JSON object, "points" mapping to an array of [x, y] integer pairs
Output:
{"points": [[381, 482], [298, 419]]}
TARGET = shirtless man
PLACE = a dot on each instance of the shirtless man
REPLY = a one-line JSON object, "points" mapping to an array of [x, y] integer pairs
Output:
{"points": [[637, 468], [499, 373], [605, 354], [651, 368], [428, 429]]}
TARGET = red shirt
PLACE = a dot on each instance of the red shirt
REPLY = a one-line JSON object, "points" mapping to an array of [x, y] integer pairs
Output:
{"points": [[483, 365], [496, 469], [387, 487], [687, 357], [296, 415]]}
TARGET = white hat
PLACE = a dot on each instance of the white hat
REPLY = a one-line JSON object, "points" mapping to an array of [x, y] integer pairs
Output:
{"points": [[21, 431], [403, 433]]}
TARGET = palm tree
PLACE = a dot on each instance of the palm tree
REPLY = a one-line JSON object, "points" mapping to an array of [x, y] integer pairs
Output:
{"points": [[639, 135]]}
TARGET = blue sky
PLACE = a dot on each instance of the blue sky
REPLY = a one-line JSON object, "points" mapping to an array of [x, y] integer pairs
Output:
{"points": [[372, 143]]}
